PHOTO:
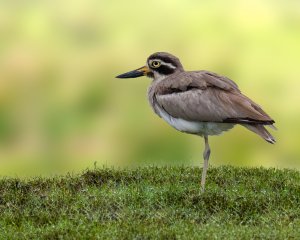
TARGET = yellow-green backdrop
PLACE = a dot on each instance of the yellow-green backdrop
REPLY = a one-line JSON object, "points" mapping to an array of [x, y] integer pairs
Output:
{"points": [[62, 110]]}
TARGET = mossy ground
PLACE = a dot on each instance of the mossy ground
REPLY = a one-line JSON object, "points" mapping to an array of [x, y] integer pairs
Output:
{"points": [[153, 203]]}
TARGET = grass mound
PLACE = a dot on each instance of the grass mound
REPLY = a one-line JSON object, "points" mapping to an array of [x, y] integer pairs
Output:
{"points": [[153, 203]]}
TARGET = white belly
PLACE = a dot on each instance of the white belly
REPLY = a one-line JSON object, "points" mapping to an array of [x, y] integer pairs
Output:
{"points": [[199, 128]]}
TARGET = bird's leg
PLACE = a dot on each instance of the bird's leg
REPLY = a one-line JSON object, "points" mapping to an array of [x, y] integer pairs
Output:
{"points": [[206, 155]]}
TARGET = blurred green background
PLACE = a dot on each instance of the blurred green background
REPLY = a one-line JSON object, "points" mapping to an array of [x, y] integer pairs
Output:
{"points": [[61, 109]]}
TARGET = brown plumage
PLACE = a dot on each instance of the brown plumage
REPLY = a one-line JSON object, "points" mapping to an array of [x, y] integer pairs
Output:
{"points": [[207, 97], [199, 102]]}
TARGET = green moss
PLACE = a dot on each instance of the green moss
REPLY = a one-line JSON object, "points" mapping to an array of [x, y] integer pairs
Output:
{"points": [[153, 203]]}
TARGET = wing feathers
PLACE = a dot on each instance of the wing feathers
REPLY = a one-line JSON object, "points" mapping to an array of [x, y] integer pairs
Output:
{"points": [[206, 97]]}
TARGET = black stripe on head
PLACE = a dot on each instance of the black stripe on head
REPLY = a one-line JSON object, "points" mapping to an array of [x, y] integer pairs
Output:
{"points": [[164, 59], [165, 70]]}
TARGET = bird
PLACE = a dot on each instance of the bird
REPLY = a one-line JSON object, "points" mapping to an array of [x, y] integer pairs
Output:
{"points": [[201, 102]]}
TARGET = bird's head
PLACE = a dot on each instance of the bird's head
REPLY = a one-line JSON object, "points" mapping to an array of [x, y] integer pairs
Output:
{"points": [[159, 65]]}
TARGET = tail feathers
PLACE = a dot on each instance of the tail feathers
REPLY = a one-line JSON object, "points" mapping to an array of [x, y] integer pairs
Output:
{"points": [[273, 127], [261, 131]]}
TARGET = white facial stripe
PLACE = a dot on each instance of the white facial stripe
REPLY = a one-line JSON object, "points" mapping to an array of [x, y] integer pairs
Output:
{"points": [[170, 65]]}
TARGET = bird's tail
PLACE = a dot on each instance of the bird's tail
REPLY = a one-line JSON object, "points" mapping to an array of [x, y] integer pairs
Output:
{"points": [[261, 131]]}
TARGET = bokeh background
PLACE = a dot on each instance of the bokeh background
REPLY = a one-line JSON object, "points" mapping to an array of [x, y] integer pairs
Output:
{"points": [[62, 110]]}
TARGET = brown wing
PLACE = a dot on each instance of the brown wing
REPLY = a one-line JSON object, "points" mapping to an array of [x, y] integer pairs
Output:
{"points": [[185, 81], [205, 96]]}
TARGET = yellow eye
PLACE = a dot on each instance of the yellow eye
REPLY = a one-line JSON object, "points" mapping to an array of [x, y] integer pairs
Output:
{"points": [[155, 64]]}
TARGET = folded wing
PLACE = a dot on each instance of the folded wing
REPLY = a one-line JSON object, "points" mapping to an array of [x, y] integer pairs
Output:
{"points": [[207, 97]]}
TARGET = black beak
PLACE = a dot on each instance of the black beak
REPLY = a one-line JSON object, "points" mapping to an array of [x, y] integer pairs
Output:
{"points": [[143, 71]]}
